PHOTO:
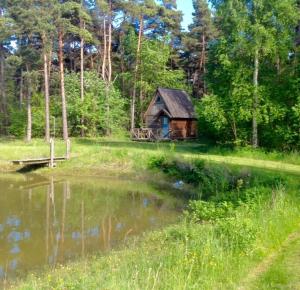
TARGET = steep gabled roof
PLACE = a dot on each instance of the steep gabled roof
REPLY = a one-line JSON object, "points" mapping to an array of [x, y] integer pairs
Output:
{"points": [[178, 103]]}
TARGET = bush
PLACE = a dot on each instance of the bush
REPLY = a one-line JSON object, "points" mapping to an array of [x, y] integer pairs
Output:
{"points": [[199, 210], [211, 181]]}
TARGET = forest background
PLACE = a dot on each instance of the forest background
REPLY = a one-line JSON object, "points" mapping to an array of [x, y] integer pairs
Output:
{"points": [[90, 68]]}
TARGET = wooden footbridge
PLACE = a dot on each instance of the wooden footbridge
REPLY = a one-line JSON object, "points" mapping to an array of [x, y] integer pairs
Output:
{"points": [[51, 161]]}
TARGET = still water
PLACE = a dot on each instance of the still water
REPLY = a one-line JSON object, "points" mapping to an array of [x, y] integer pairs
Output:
{"points": [[48, 221]]}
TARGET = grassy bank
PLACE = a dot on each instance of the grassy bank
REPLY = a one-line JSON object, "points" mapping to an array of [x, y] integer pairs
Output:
{"points": [[107, 156], [234, 220]]}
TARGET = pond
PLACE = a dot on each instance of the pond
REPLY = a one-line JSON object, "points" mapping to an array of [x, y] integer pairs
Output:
{"points": [[46, 221]]}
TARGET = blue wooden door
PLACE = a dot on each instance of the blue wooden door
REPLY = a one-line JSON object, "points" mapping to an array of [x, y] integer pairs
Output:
{"points": [[165, 127]]}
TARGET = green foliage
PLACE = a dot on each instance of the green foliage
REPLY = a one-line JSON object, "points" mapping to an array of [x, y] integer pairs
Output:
{"points": [[155, 56], [18, 123], [199, 210], [269, 28], [210, 181], [103, 109]]}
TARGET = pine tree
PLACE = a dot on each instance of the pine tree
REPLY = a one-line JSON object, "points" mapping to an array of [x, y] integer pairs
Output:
{"points": [[202, 31], [64, 20], [6, 30]]}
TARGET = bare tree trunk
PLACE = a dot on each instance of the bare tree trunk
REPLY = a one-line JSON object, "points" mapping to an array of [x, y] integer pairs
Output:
{"points": [[82, 76], [255, 100], [62, 86], [29, 115], [109, 44], [21, 97], [133, 100], [92, 63], [46, 88], [50, 62], [204, 63], [234, 130], [200, 72], [141, 102], [109, 77], [122, 53], [3, 101], [104, 54]]}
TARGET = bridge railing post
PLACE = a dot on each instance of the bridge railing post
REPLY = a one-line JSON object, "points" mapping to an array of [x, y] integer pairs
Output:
{"points": [[51, 164]]}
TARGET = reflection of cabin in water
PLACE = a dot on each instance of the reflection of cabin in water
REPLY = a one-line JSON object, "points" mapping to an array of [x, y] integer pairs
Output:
{"points": [[170, 115]]}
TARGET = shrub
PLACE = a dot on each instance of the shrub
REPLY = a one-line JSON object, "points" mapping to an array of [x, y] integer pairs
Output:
{"points": [[199, 210]]}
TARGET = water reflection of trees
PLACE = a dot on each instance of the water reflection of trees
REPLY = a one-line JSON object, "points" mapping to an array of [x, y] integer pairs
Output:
{"points": [[68, 218]]}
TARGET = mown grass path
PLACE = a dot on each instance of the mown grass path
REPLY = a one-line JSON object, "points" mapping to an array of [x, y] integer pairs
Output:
{"points": [[257, 163], [280, 270]]}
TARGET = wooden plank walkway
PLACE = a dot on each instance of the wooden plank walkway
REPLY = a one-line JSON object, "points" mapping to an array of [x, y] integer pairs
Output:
{"points": [[44, 160], [38, 161]]}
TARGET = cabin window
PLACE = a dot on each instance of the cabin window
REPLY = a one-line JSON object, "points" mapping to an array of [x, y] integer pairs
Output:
{"points": [[158, 100]]}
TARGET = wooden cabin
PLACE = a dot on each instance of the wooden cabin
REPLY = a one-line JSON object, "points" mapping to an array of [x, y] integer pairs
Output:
{"points": [[170, 115]]}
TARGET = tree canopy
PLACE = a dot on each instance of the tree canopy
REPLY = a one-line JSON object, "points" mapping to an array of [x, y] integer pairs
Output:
{"points": [[91, 67]]}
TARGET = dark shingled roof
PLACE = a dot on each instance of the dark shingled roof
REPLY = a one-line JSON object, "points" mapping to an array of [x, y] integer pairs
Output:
{"points": [[178, 103]]}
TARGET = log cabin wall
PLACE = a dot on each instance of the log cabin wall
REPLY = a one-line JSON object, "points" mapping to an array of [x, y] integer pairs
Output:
{"points": [[179, 129], [183, 128]]}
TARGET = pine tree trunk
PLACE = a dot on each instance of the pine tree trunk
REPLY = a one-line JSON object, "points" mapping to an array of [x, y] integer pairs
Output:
{"points": [[234, 130], [29, 114], [204, 63], [47, 99], [62, 86], [141, 103], [198, 83], [104, 54], [109, 77], [133, 100], [109, 43], [21, 91], [255, 100], [122, 54], [50, 61], [3, 101], [82, 77]]}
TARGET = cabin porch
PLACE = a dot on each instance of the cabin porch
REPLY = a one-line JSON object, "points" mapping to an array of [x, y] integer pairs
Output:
{"points": [[151, 134]]}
